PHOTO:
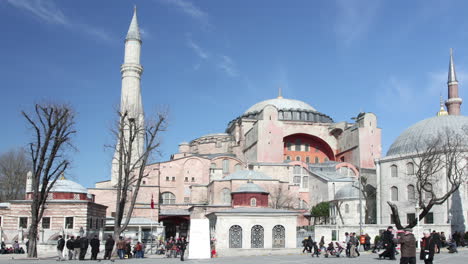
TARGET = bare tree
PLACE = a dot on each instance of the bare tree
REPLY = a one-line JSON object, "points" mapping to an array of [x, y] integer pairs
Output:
{"points": [[14, 165], [281, 198], [131, 163], [52, 126], [439, 161]]}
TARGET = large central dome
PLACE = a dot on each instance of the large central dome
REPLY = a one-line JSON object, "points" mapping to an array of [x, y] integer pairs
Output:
{"points": [[281, 104], [420, 134]]}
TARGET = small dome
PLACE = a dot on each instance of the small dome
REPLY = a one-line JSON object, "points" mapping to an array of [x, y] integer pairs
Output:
{"points": [[418, 135], [281, 104], [250, 188], [67, 186], [348, 192]]}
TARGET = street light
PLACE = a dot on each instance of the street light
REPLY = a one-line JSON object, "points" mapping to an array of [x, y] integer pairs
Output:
{"points": [[417, 229]]}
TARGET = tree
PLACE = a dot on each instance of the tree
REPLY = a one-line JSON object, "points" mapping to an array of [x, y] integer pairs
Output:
{"points": [[320, 210], [14, 165], [131, 164], [53, 127], [281, 198], [439, 161], [368, 192]]}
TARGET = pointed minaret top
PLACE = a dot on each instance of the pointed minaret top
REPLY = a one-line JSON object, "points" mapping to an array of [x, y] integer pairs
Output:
{"points": [[452, 77], [280, 96], [133, 30]]}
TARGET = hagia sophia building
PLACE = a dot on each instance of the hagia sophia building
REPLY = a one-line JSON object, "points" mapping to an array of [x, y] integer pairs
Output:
{"points": [[257, 181]]}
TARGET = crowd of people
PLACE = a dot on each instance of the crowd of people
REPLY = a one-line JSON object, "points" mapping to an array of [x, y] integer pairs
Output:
{"points": [[431, 243], [173, 248], [14, 249]]}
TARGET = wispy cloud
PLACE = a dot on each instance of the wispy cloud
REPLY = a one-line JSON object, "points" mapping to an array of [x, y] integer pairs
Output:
{"points": [[144, 33], [191, 10], [400, 92], [227, 65], [196, 48], [353, 19], [48, 12]]}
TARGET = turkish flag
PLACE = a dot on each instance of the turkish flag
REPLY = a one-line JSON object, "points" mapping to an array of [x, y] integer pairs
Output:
{"points": [[152, 202]]}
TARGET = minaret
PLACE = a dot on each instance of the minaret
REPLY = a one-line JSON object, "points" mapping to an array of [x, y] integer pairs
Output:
{"points": [[453, 102], [130, 101]]}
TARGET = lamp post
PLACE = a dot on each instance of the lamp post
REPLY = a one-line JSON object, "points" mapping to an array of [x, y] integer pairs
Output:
{"points": [[417, 229]]}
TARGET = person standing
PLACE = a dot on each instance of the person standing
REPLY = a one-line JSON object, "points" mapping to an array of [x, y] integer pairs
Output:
{"points": [[427, 248], [387, 239], [94, 243], [309, 244], [138, 248], [108, 247], [83, 247], [71, 247], [352, 245], [182, 247], [348, 245], [121, 247], [60, 247], [367, 242], [77, 248], [437, 241], [408, 246]]}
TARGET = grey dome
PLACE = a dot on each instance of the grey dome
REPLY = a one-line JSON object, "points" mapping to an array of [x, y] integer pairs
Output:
{"points": [[281, 104], [418, 135], [250, 188], [246, 175], [348, 192], [67, 186]]}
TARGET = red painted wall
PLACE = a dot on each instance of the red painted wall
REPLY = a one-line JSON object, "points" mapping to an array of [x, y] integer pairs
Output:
{"points": [[317, 148], [243, 199]]}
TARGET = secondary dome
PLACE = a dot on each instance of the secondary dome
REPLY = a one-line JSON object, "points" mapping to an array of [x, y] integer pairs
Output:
{"points": [[67, 186], [348, 192], [418, 135], [250, 188], [281, 104]]}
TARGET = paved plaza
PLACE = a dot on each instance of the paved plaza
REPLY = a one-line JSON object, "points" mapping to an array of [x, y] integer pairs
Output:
{"points": [[365, 258]]}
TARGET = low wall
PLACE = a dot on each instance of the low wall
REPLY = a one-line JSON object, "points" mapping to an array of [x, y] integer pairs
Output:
{"points": [[372, 230]]}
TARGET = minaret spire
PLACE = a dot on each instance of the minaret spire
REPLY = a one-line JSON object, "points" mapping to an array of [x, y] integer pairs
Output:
{"points": [[453, 102], [134, 30]]}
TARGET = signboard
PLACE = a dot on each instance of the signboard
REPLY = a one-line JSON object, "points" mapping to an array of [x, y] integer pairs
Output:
{"points": [[199, 239]]}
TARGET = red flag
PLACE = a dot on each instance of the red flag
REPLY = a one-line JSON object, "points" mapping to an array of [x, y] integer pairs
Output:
{"points": [[152, 202]]}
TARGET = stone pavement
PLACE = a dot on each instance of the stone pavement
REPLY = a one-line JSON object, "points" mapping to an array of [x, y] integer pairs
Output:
{"points": [[366, 258]]}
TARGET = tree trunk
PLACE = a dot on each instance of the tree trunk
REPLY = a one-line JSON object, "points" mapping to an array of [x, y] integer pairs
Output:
{"points": [[32, 236]]}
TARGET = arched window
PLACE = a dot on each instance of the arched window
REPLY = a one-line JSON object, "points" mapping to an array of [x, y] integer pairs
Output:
{"points": [[226, 194], [307, 147], [394, 193], [235, 237], [409, 168], [298, 145], [298, 158], [237, 167], [325, 159], [411, 193], [225, 166], [256, 236], [394, 171], [316, 160], [278, 236], [307, 160], [288, 158], [253, 202], [346, 208], [167, 198]]}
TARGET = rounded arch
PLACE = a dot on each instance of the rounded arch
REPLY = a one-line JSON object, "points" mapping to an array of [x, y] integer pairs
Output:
{"points": [[307, 144], [235, 236], [349, 166], [167, 198], [394, 193], [257, 236], [278, 236]]}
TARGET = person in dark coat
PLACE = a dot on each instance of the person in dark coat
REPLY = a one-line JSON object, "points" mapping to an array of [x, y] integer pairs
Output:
{"points": [[367, 242], [389, 245], [309, 244], [408, 246], [182, 247], [77, 248], [94, 243], [60, 247], [84, 243], [437, 241], [427, 248], [108, 247], [71, 247]]}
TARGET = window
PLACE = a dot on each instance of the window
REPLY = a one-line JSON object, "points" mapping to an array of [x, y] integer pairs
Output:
{"points": [[89, 223], [186, 200], [253, 202], [316, 160], [316, 150], [410, 218], [23, 222], [307, 159], [297, 180], [186, 179], [96, 223], [102, 223], [278, 238], [307, 147], [69, 222], [298, 158], [394, 193], [346, 208], [305, 182], [1, 223], [256, 238], [409, 168], [289, 145], [411, 193], [226, 194], [173, 179], [298, 145], [167, 178], [325, 159], [296, 115], [429, 218], [237, 167], [167, 198], [235, 237], [288, 158], [394, 171], [225, 166], [193, 179]]}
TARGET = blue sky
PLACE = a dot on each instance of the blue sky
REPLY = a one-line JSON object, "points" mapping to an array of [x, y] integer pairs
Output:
{"points": [[209, 61]]}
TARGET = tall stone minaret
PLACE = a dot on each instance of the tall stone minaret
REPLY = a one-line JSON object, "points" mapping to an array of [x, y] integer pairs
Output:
{"points": [[453, 102], [130, 101]]}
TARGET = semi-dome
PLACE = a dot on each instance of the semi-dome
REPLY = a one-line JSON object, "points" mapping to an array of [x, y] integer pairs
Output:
{"points": [[250, 188], [281, 104], [67, 186], [421, 133]]}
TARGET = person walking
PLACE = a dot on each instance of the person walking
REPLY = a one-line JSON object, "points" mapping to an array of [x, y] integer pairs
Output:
{"points": [[94, 243], [121, 247], [304, 245], [367, 242], [84, 243], [71, 247], [138, 248], [352, 245], [437, 241], [60, 247], [408, 246], [182, 247], [77, 248], [108, 247], [309, 244], [389, 245], [427, 248]]}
